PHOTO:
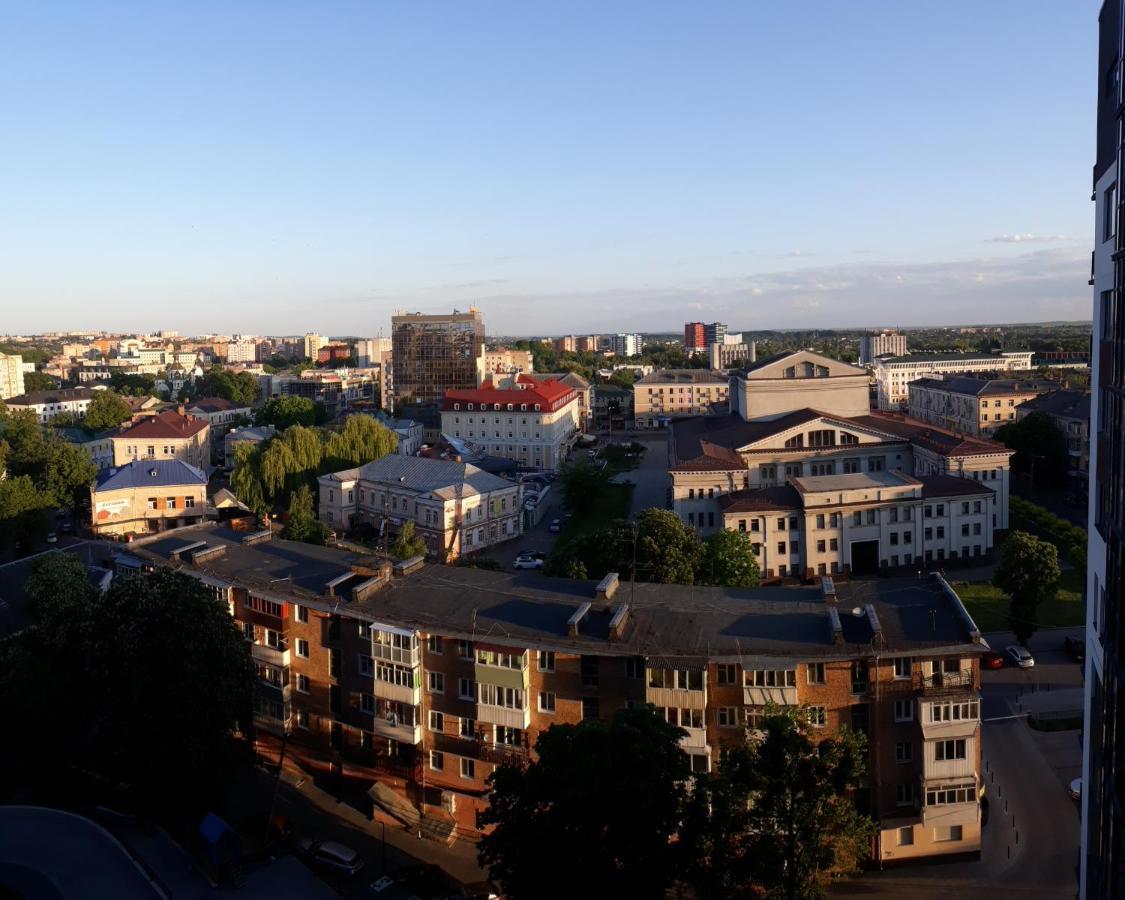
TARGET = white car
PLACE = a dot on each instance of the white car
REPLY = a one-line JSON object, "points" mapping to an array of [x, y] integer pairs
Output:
{"points": [[527, 561], [1075, 789], [1020, 656], [331, 855], [555, 527]]}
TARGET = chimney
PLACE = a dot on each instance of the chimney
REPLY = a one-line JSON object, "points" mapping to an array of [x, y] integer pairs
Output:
{"points": [[836, 625], [618, 621], [606, 588], [573, 622], [828, 589]]}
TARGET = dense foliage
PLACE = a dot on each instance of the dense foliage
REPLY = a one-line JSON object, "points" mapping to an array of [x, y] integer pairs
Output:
{"points": [[604, 797], [659, 547], [1029, 574], [153, 677], [1041, 448], [407, 544], [106, 410], [240, 388], [282, 412], [302, 523], [267, 474], [777, 818]]}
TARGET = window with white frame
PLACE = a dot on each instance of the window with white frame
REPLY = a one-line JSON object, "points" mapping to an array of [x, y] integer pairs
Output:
{"points": [[435, 682]]}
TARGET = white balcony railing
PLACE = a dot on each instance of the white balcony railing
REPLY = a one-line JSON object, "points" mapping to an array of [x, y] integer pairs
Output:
{"points": [[506, 716]]}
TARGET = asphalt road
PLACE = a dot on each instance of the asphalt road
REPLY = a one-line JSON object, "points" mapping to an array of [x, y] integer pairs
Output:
{"points": [[1031, 839]]}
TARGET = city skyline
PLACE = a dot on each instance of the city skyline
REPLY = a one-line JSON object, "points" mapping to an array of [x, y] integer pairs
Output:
{"points": [[336, 167]]}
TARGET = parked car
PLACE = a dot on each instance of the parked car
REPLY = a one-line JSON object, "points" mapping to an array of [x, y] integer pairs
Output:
{"points": [[331, 856], [1020, 656], [555, 527], [1075, 789], [527, 561], [1076, 647], [593, 454], [993, 660], [52, 538]]}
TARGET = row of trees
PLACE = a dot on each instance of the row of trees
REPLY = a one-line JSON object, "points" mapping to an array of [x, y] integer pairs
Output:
{"points": [[658, 547], [43, 472], [271, 474], [616, 800], [155, 680]]}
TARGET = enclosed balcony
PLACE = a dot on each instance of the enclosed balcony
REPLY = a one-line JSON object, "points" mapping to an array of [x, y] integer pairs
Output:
{"points": [[948, 802], [676, 688], [946, 717], [762, 687], [501, 667]]}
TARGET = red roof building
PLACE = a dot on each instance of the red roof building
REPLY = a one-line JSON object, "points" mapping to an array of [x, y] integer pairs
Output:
{"points": [[167, 435]]}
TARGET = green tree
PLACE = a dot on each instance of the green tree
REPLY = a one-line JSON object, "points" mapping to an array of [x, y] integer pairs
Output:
{"points": [[1041, 448], [1029, 574], [666, 550], [778, 816], [363, 439], [729, 560], [604, 796], [303, 524], [133, 385], [407, 544], [23, 514], [240, 388], [107, 410], [282, 412], [39, 381], [580, 484], [68, 472], [167, 687], [246, 477]]}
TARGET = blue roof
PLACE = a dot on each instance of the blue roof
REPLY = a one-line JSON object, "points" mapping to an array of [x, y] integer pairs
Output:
{"points": [[150, 473]]}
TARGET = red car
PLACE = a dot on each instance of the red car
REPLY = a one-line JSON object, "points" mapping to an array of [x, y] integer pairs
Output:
{"points": [[993, 660]]}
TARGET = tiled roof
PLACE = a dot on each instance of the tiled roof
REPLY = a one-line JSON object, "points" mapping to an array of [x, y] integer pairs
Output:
{"points": [[951, 486], [683, 376], [700, 442], [150, 473], [1065, 404], [982, 387], [550, 395], [63, 395], [575, 380], [215, 404], [441, 477], [783, 496], [167, 425], [930, 437]]}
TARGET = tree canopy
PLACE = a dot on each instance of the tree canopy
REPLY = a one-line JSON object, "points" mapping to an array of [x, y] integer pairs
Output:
{"points": [[362, 439], [240, 388], [729, 560], [282, 412], [166, 682], [603, 796], [131, 385], [778, 817], [407, 544], [1029, 574], [107, 410], [1039, 446], [580, 483], [302, 524], [39, 381]]}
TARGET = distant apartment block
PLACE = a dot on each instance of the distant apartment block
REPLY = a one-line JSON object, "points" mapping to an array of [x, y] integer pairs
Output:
{"points": [[242, 352], [48, 405], [699, 336], [728, 356], [588, 344], [369, 351], [675, 393], [146, 496], [893, 374], [455, 507], [566, 344], [971, 405], [503, 361], [626, 344], [880, 343], [312, 344], [433, 354], [11, 375], [533, 422], [334, 353]]}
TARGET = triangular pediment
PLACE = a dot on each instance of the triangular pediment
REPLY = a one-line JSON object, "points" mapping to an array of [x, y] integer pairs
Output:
{"points": [[776, 440], [799, 364]]}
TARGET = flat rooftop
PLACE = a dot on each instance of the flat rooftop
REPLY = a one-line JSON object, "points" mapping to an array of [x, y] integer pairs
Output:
{"points": [[856, 481], [522, 609]]}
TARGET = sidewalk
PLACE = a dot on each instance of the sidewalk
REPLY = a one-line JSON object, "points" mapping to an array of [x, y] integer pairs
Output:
{"points": [[459, 860]]}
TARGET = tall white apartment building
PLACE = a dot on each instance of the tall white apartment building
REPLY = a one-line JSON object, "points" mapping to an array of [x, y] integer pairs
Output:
{"points": [[369, 351], [313, 343], [626, 344]]}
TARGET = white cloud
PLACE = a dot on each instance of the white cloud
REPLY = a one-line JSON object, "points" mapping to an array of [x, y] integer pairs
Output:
{"points": [[1027, 238]]}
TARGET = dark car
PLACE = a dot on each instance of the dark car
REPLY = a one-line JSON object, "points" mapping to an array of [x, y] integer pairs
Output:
{"points": [[1076, 648], [993, 660], [331, 856]]}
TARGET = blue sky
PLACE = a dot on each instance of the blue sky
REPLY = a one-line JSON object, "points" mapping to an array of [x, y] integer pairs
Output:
{"points": [[279, 167]]}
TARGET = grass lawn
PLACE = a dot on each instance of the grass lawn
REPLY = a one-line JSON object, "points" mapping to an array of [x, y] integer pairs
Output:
{"points": [[988, 605]]}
